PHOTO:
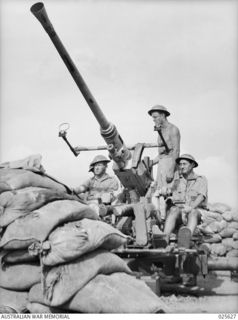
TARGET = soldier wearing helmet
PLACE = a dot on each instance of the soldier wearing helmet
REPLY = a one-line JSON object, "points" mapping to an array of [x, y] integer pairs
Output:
{"points": [[189, 198], [101, 187], [168, 152]]}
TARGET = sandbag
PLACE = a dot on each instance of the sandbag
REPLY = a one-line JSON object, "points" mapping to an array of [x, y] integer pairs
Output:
{"points": [[114, 293], [18, 203], [235, 235], [13, 179], [235, 244], [215, 238], [4, 309], [210, 216], [233, 224], [76, 238], [18, 256], [227, 232], [227, 216], [219, 207], [234, 213], [32, 162], [37, 225], [216, 226], [228, 243], [19, 277], [218, 249], [14, 300], [62, 282], [205, 229], [35, 307], [232, 253]]}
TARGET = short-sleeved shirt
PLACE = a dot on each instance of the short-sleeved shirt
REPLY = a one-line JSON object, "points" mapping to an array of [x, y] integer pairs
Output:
{"points": [[97, 186], [187, 190]]}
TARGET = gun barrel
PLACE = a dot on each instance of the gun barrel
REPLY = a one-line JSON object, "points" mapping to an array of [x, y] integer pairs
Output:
{"points": [[40, 13], [118, 151]]}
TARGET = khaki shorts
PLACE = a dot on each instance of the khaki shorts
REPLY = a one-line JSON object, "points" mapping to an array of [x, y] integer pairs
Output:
{"points": [[165, 172]]}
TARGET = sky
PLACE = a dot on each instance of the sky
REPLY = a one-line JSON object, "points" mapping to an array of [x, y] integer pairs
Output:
{"points": [[132, 54]]}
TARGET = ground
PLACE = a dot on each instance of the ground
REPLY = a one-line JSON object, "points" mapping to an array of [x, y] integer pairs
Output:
{"points": [[220, 295]]}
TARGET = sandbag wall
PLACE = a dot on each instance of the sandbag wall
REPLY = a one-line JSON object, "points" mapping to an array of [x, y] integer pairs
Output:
{"points": [[55, 253], [220, 230], [22, 193]]}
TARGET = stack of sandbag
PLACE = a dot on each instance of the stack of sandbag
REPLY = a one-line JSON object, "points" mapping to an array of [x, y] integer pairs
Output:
{"points": [[80, 274], [31, 205], [220, 230], [55, 250]]}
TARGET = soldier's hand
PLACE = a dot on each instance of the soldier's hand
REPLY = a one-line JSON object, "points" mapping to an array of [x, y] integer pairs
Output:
{"points": [[184, 217], [187, 209]]}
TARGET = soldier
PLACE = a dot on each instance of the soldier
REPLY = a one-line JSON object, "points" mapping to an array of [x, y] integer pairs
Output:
{"points": [[189, 197], [168, 152], [101, 187]]}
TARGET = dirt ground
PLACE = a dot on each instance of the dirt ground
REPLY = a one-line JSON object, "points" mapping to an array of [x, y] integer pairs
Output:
{"points": [[217, 293]]}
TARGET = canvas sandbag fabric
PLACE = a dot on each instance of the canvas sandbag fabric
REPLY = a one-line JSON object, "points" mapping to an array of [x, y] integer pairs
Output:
{"points": [[215, 238], [228, 243], [234, 225], [19, 277], [232, 253], [218, 249], [37, 225], [227, 232], [18, 203], [32, 162], [219, 207], [13, 299], [235, 235], [13, 179], [234, 214], [227, 216], [72, 240], [18, 256], [63, 281], [35, 307], [210, 216], [116, 293]]}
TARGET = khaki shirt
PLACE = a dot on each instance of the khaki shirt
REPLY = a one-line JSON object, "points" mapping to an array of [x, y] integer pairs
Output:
{"points": [[187, 190], [97, 186]]}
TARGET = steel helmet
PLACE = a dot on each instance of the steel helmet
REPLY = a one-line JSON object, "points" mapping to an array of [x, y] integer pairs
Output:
{"points": [[187, 157], [159, 108], [98, 158]]}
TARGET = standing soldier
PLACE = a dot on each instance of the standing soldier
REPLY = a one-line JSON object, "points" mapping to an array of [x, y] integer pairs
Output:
{"points": [[168, 152], [101, 187]]}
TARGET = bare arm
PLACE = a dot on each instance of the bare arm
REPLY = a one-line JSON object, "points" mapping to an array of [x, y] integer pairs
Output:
{"points": [[188, 208], [198, 201], [175, 138]]}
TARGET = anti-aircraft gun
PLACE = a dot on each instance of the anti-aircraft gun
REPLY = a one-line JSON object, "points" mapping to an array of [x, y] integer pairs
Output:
{"points": [[134, 174]]}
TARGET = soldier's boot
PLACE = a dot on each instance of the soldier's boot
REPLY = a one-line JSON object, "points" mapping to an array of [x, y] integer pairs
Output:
{"points": [[184, 237]]}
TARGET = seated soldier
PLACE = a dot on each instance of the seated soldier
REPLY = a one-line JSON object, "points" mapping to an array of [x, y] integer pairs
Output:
{"points": [[189, 195], [101, 188]]}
